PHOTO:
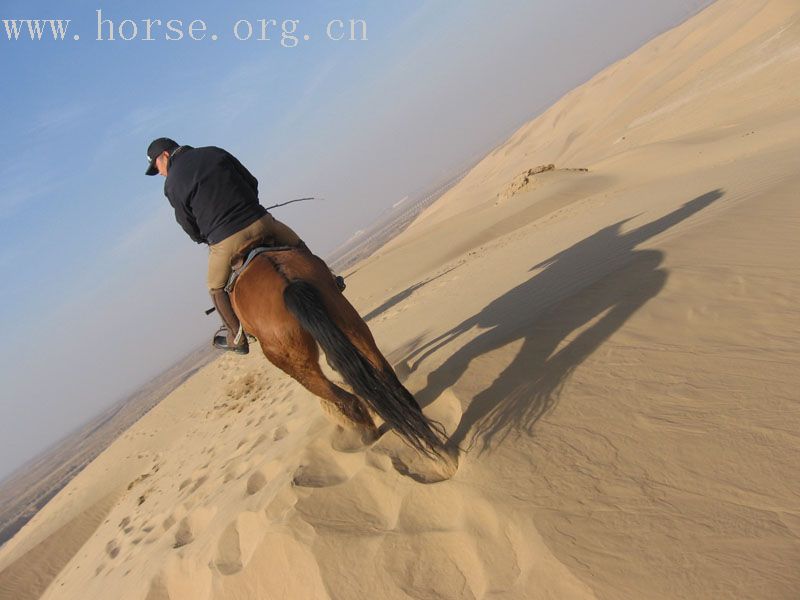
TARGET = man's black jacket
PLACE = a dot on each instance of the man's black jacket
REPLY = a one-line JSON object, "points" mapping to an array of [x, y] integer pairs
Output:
{"points": [[212, 193]]}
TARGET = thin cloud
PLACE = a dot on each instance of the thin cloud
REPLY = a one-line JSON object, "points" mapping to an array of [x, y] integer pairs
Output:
{"points": [[154, 228], [134, 128], [59, 119], [20, 186], [305, 101], [236, 94]]}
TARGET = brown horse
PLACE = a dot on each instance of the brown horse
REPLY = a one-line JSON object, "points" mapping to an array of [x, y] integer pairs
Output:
{"points": [[288, 299]]}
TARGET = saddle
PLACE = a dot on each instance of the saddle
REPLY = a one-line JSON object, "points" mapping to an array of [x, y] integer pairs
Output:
{"points": [[246, 254]]}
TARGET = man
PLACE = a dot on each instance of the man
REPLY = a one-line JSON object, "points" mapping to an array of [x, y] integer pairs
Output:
{"points": [[216, 202]]}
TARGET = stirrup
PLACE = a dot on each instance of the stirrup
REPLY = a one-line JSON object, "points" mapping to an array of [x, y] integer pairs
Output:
{"points": [[220, 341]]}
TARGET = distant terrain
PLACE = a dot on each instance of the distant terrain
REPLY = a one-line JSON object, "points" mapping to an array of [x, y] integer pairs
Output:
{"points": [[31, 486], [388, 225]]}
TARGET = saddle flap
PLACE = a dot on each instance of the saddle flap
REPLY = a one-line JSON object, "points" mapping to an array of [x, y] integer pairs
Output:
{"points": [[240, 257]]}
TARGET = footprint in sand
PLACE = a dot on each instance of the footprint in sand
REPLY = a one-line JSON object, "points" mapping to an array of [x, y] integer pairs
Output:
{"points": [[150, 531], [177, 514], [193, 482], [318, 469], [238, 542], [113, 548], [181, 578], [236, 470], [281, 505], [240, 447], [198, 482], [363, 504], [279, 433], [262, 476], [193, 524], [313, 476], [255, 483], [258, 441]]}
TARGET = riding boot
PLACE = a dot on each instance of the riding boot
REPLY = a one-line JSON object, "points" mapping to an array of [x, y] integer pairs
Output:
{"points": [[222, 302]]}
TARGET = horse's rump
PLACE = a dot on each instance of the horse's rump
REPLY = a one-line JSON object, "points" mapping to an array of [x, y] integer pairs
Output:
{"points": [[287, 297], [257, 294]]}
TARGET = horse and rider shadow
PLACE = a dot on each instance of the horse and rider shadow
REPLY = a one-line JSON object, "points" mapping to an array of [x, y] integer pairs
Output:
{"points": [[288, 299], [591, 288], [401, 296]]}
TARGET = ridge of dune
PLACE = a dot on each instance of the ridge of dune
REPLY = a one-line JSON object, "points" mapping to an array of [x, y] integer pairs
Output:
{"points": [[702, 78], [614, 349]]}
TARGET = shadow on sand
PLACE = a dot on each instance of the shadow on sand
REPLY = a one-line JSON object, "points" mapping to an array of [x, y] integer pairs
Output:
{"points": [[400, 296], [601, 282]]}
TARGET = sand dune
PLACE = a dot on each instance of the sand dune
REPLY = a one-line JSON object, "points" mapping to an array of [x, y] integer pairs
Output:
{"points": [[615, 350]]}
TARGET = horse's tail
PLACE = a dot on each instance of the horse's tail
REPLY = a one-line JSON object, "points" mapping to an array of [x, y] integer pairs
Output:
{"points": [[380, 389]]}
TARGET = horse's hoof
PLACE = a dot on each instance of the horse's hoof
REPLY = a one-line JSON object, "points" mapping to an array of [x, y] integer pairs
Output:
{"points": [[370, 436], [425, 469], [416, 465]]}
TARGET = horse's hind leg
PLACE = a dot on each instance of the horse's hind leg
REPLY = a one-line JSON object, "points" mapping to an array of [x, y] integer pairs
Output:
{"points": [[339, 411], [341, 406], [301, 362], [357, 330]]}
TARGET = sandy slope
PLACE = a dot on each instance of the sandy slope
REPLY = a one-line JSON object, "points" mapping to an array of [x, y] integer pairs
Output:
{"points": [[616, 350]]}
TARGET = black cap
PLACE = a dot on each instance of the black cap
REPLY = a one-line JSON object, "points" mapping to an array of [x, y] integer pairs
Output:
{"points": [[155, 149]]}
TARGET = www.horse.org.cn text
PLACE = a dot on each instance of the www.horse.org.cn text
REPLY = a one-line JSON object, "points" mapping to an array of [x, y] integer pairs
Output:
{"points": [[286, 32]]}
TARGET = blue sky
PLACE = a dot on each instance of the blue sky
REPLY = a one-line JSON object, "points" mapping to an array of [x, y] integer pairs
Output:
{"points": [[101, 290]]}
